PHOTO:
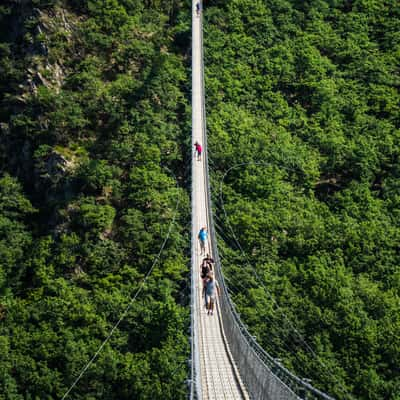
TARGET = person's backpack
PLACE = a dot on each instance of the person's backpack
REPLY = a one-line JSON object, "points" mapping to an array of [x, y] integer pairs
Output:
{"points": [[205, 269]]}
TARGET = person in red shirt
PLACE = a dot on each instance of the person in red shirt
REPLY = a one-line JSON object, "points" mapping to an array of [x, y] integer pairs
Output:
{"points": [[198, 150]]}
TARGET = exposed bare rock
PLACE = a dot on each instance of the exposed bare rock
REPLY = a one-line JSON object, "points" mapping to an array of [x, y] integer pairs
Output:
{"points": [[4, 128], [54, 166], [58, 163], [78, 271], [46, 67]]}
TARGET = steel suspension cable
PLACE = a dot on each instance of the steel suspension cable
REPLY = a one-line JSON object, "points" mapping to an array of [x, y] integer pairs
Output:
{"points": [[131, 301], [300, 336]]}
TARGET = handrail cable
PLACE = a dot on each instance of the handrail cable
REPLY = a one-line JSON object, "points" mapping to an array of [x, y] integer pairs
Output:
{"points": [[291, 324], [212, 245], [285, 389], [238, 287], [132, 300], [263, 376]]}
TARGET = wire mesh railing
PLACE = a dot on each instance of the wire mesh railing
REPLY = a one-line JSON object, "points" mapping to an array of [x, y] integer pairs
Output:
{"points": [[263, 376]]}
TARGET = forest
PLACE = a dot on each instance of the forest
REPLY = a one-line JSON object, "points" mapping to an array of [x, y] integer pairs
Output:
{"points": [[302, 101], [94, 119], [303, 124]]}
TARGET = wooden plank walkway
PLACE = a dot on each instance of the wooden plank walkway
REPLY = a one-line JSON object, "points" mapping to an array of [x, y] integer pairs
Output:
{"points": [[217, 373]]}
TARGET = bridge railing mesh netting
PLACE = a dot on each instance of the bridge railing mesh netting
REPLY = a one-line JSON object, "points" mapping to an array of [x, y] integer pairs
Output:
{"points": [[263, 376]]}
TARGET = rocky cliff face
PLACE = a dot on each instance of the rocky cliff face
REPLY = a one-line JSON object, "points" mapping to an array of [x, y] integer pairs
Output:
{"points": [[46, 35], [92, 116], [38, 44]]}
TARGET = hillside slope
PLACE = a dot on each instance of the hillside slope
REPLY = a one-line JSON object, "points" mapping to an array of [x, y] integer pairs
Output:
{"points": [[304, 96], [94, 118]]}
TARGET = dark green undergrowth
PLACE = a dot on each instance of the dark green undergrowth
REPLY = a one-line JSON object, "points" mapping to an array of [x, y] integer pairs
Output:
{"points": [[94, 119]]}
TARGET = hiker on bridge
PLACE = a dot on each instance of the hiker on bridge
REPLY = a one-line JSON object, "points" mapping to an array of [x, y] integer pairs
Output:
{"points": [[198, 8], [206, 267], [203, 235], [208, 260], [212, 291], [198, 150]]}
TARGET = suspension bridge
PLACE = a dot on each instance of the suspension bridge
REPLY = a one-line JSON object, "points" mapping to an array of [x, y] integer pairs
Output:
{"points": [[227, 362]]}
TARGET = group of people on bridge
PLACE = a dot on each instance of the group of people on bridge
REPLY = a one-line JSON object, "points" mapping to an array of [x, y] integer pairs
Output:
{"points": [[210, 285]]}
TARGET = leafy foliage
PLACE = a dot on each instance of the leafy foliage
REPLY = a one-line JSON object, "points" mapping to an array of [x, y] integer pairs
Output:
{"points": [[303, 106], [93, 120]]}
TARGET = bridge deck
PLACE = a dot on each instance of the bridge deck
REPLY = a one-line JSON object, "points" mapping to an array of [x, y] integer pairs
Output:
{"points": [[218, 375]]}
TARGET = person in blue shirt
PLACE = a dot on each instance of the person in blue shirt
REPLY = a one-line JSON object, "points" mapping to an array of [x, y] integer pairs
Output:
{"points": [[203, 235], [198, 8]]}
